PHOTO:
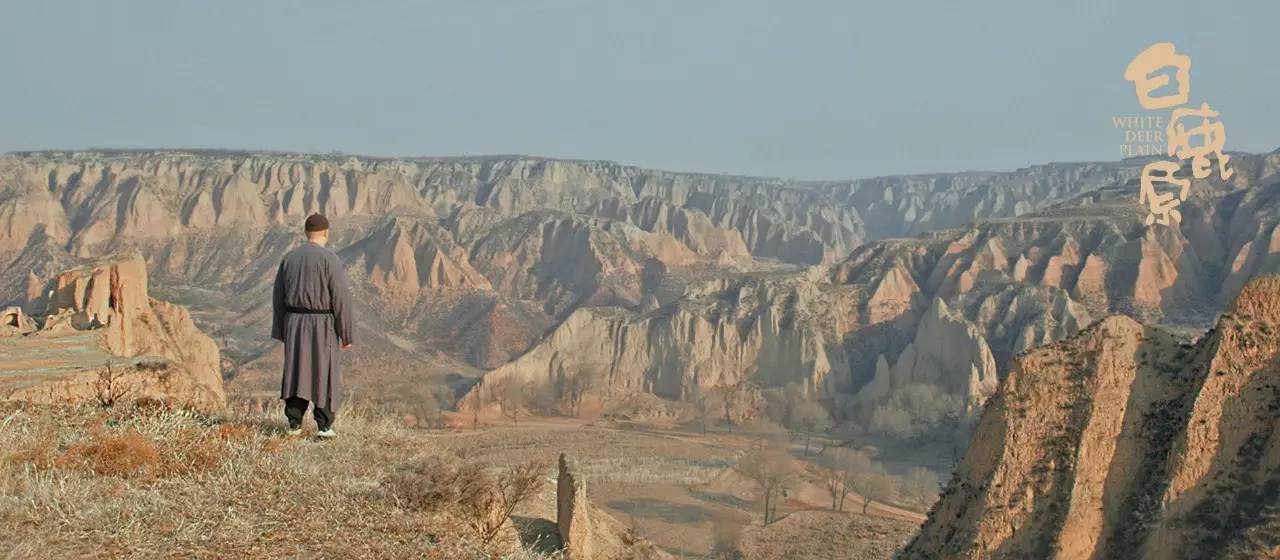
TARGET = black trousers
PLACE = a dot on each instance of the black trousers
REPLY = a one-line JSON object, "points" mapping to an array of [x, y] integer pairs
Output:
{"points": [[296, 407]]}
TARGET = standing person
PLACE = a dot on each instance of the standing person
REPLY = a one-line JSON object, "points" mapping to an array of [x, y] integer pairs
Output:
{"points": [[312, 316]]}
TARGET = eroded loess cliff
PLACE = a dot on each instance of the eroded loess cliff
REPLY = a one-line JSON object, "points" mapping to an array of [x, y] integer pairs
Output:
{"points": [[724, 334], [465, 264], [1123, 442], [101, 313]]}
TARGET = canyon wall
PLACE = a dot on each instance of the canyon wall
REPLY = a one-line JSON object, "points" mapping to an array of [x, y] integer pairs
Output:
{"points": [[1124, 442], [505, 263]]}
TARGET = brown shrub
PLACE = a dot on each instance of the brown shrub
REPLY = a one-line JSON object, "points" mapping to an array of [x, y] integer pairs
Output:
{"points": [[726, 534], [488, 504], [151, 405], [203, 455], [272, 445], [194, 451], [129, 455], [428, 484], [236, 431], [483, 500], [40, 452]]}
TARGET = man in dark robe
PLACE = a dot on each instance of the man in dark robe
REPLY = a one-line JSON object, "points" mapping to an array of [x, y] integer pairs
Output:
{"points": [[312, 316]]}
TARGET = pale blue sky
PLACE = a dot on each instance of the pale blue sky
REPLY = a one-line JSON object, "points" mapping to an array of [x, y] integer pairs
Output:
{"points": [[803, 89]]}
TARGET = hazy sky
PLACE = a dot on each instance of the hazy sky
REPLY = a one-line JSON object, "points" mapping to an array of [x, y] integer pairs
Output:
{"points": [[803, 89]]}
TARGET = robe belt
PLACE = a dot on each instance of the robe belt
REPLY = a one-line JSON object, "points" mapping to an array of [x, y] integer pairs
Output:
{"points": [[304, 311]]}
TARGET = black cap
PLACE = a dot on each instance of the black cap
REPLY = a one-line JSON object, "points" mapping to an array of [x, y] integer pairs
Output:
{"points": [[316, 222]]}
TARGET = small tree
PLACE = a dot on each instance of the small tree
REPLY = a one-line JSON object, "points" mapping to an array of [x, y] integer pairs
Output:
{"points": [[482, 499], [727, 404], [427, 412], [576, 388], [836, 477], [726, 534], [510, 396], [769, 466], [544, 399], [918, 412], [487, 503], [869, 480], [704, 407], [921, 486], [776, 406], [810, 417], [110, 386], [782, 403]]}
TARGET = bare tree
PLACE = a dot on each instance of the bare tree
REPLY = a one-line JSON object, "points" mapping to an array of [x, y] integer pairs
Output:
{"points": [[921, 486], [577, 387], [808, 418], [510, 396], [544, 399], [836, 477], [769, 465], [728, 409], [489, 501], [110, 386], [427, 412], [781, 402], [776, 407], [704, 407], [869, 480], [483, 499]]}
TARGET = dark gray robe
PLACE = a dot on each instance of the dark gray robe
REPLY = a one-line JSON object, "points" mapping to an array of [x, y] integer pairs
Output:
{"points": [[312, 277]]}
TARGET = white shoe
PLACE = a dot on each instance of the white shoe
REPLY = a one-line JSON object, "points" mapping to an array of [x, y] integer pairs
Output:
{"points": [[327, 434]]}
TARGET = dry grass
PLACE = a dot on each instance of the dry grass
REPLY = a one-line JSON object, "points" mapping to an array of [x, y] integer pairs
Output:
{"points": [[655, 469], [816, 535], [145, 482], [88, 482]]}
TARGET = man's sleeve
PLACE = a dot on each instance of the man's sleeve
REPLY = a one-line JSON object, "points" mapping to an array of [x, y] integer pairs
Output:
{"points": [[277, 305], [340, 294]]}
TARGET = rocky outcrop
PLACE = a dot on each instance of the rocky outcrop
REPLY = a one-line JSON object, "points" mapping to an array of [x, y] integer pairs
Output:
{"points": [[588, 532], [949, 353], [13, 322], [723, 334], [687, 225], [1124, 442], [108, 299], [573, 521], [404, 257]]}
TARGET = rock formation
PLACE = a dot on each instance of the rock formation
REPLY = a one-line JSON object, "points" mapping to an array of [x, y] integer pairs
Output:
{"points": [[14, 322], [572, 518], [154, 344], [722, 334], [471, 264], [587, 532], [1124, 442], [949, 353]]}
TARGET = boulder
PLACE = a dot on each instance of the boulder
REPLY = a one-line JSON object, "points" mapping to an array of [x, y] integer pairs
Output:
{"points": [[13, 322]]}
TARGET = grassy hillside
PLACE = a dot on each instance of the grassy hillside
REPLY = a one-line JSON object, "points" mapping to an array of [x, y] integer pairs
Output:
{"points": [[131, 482]]}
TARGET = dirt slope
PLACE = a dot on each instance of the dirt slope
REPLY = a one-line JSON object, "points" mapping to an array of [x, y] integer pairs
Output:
{"points": [[1122, 442]]}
